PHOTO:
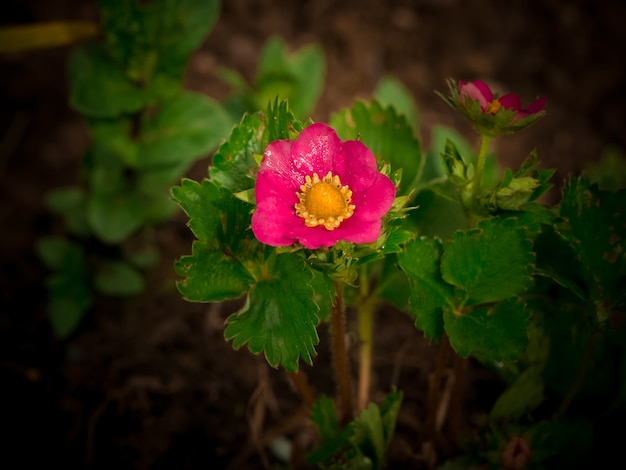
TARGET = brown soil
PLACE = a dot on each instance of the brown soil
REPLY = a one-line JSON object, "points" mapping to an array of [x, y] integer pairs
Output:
{"points": [[151, 383]]}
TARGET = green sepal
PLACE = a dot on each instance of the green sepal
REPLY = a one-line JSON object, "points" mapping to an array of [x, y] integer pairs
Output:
{"points": [[280, 316]]}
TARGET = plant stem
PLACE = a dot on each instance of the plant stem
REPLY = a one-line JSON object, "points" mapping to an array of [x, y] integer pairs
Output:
{"points": [[340, 356], [471, 205], [366, 327], [485, 141], [299, 381]]}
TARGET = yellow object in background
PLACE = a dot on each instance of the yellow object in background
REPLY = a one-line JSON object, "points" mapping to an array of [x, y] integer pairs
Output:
{"points": [[45, 35]]}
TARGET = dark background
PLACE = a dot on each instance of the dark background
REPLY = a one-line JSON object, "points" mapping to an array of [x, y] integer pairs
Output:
{"points": [[152, 383]]}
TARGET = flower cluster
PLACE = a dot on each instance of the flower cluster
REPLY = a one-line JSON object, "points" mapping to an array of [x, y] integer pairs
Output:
{"points": [[317, 190]]}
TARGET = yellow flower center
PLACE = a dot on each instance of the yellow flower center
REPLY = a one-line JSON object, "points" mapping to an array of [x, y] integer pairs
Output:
{"points": [[493, 107], [324, 201]]}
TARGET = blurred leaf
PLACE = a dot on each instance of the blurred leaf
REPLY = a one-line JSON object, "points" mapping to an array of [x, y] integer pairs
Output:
{"points": [[69, 202], [297, 77], [490, 263], [183, 129], [24, 38], [387, 134], [69, 291], [521, 397], [609, 173], [211, 276], [391, 92], [492, 333], [280, 316], [149, 40], [429, 293], [118, 279], [115, 215], [99, 89]]}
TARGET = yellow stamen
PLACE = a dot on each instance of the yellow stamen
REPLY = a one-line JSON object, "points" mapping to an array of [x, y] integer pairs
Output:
{"points": [[493, 107], [324, 201]]}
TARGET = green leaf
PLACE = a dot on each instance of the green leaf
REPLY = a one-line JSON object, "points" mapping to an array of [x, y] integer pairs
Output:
{"points": [[151, 40], [217, 217], [388, 135], [69, 291], [521, 397], [185, 128], [429, 293], [233, 165], [115, 215], [392, 92], [53, 250], [297, 77], [363, 443], [492, 333], [489, 263], [98, 88], [280, 122], [70, 203], [426, 220], [280, 316], [118, 279], [324, 293], [595, 224], [324, 416], [374, 428], [211, 276]]}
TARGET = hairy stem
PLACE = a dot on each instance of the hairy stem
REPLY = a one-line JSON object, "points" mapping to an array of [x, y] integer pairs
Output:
{"points": [[340, 356]]}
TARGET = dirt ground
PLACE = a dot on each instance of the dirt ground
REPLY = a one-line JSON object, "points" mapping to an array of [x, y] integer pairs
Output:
{"points": [[151, 383]]}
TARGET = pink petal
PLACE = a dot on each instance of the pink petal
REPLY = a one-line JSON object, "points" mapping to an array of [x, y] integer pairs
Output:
{"points": [[274, 211], [355, 231], [536, 105], [277, 158], [361, 164], [477, 91], [315, 149], [511, 101], [376, 201]]}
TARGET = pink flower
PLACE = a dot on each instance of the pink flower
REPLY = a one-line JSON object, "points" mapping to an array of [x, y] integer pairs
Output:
{"points": [[317, 190], [480, 91]]}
